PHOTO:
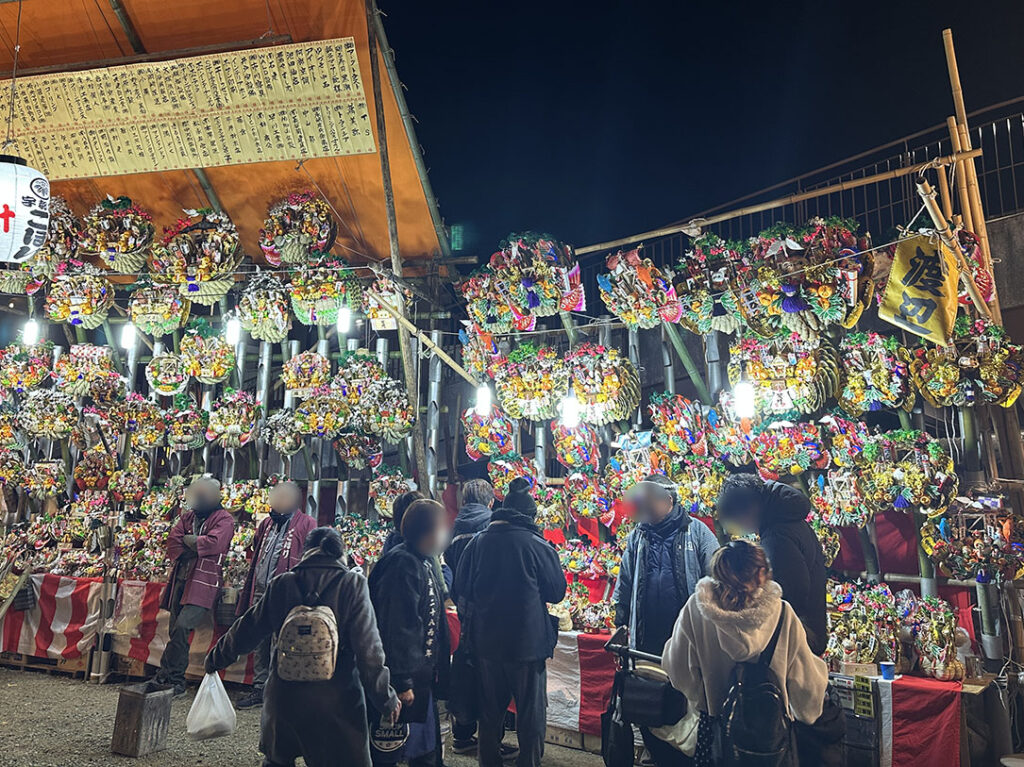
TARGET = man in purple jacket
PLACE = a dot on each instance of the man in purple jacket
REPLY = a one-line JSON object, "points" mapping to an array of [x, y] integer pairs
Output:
{"points": [[277, 548], [196, 546]]}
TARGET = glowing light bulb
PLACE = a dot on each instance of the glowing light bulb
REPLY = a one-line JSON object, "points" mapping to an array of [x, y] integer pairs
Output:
{"points": [[743, 399], [128, 335], [30, 333], [344, 319], [483, 400], [570, 410], [233, 331]]}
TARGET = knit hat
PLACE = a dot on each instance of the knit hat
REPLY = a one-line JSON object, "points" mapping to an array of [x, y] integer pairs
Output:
{"points": [[518, 497]]}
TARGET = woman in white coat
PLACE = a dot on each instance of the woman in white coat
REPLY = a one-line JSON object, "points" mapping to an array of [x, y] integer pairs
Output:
{"points": [[730, 619]]}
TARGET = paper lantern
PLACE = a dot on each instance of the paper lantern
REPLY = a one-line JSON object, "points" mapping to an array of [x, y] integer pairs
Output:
{"points": [[24, 209]]}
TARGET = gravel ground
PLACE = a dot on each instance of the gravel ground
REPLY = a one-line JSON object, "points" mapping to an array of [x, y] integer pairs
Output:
{"points": [[54, 721]]}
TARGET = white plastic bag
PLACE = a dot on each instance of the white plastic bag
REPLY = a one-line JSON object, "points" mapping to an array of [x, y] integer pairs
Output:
{"points": [[211, 715]]}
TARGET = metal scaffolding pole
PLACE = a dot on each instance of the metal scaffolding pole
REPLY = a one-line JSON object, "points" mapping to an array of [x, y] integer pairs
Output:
{"points": [[263, 369], [433, 416], [634, 357], [668, 363], [323, 348]]}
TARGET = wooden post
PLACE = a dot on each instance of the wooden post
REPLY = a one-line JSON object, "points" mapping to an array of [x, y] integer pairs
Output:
{"points": [[961, 176], [404, 344]]}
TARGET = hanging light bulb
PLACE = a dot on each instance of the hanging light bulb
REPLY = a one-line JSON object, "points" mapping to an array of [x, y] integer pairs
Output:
{"points": [[30, 333], [233, 331], [743, 399], [128, 335], [570, 410], [344, 319], [483, 400]]}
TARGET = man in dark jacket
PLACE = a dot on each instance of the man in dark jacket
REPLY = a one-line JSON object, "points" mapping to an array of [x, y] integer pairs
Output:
{"points": [[398, 507], [665, 555], [323, 722], [196, 545], [276, 549], [507, 576], [778, 513]]}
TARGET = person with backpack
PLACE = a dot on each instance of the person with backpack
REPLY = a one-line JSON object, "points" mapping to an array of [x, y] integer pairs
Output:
{"points": [[408, 598], [739, 654], [276, 548], [327, 663]]}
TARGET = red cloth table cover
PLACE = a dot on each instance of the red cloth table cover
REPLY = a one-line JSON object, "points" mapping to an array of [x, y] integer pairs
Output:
{"points": [[64, 622]]}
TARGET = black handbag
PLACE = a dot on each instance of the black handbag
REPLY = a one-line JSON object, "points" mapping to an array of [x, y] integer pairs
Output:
{"points": [[649, 702], [616, 734]]}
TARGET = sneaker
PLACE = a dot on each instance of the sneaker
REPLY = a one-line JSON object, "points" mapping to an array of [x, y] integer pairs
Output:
{"points": [[467, 746], [179, 690], [509, 751], [253, 700]]}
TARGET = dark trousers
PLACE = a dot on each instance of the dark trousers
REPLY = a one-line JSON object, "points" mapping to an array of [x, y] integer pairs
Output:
{"points": [[463, 730], [500, 683], [662, 754], [184, 620], [261, 662]]}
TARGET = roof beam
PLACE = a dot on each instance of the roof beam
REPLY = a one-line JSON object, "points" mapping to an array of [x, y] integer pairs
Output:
{"points": [[129, 28]]}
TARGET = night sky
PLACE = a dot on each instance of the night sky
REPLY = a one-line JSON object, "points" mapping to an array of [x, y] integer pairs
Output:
{"points": [[597, 120]]}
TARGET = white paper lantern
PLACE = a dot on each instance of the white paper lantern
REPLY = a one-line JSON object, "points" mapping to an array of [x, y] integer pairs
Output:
{"points": [[24, 209]]}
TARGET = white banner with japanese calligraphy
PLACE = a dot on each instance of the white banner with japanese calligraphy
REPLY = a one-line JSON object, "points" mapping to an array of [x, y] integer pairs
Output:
{"points": [[286, 102]]}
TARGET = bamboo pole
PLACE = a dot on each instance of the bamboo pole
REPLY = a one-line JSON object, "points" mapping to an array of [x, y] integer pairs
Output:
{"points": [[780, 202], [691, 367], [944, 198]]}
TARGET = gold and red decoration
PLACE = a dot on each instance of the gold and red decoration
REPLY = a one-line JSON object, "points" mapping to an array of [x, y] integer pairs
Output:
{"points": [[357, 370], [264, 308], [210, 359], [586, 497], [907, 470], [61, 241], [297, 227], [167, 374], [305, 372], [970, 552], [680, 425], [503, 469], [86, 370], [845, 438], [44, 479], [488, 304], [487, 435], [129, 484], [605, 383], [324, 414], [186, 425], [93, 469], [234, 495], [551, 511], [81, 297], [532, 382], [281, 431], [637, 292], [827, 535], [540, 274], [358, 451], [142, 420], [876, 374], [363, 539], [480, 352], [790, 375], [199, 255], [24, 367], [12, 467], [10, 436], [837, 500], [789, 449], [706, 295], [107, 420], [698, 482], [47, 413], [387, 485], [576, 449], [320, 289], [118, 233], [980, 366], [157, 310], [386, 411], [233, 420], [162, 502]]}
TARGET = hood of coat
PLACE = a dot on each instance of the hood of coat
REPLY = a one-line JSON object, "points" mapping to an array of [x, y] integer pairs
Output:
{"points": [[472, 518], [742, 634], [514, 519], [782, 503]]}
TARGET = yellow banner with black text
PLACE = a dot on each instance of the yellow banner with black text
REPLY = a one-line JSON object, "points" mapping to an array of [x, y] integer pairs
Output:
{"points": [[921, 294]]}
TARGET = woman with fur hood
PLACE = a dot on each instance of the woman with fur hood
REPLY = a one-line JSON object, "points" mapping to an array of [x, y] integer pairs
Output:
{"points": [[731, 619]]}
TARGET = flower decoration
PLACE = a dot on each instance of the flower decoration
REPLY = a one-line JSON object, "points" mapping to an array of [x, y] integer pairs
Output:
{"points": [[387, 485], [44, 479], [386, 411], [908, 471], [934, 624], [680, 425], [577, 448], [162, 502], [979, 366], [199, 255], [47, 413], [970, 554], [167, 374], [635, 459], [637, 292], [236, 561], [131, 483], [258, 504], [118, 233], [325, 414], [357, 451], [24, 367], [532, 383], [186, 425], [606, 384], [363, 539], [790, 376], [94, 468], [846, 439], [297, 227], [282, 432], [389, 291], [82, 298], [12, 467], [586, 497], [320, 289], [488, 304], [789, 449], [143, 421], [487, 435], [837, 500], [540, 275], [551, 509], [87, 370], [698, 482], [233, 420], [503, 469], [157, 310], [61, 241], [140, 548], [706, 294], [92, 506], [827, 536], [356, 371], [10, 435], [210, 359], [480, 353], [876, 374], [234, 495], [305, 372], [263, 308]]}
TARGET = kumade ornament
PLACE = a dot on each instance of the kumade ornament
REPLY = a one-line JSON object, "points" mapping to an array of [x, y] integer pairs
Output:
{"points": [[297, 227], [199, 255]]}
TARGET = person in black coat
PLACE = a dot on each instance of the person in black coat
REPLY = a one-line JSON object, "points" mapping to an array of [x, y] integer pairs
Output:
{"points": [[323, 722], [408, 598], [507, 576], [778, 514], [398, 507]]}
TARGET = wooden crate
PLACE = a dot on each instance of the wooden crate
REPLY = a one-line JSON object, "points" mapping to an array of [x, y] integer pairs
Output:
{"points": [[129, 667], [561, 737], [71, 666]]}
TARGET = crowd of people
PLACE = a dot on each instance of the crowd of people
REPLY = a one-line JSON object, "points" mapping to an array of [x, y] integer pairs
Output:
{"points": [[738, 629]]}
